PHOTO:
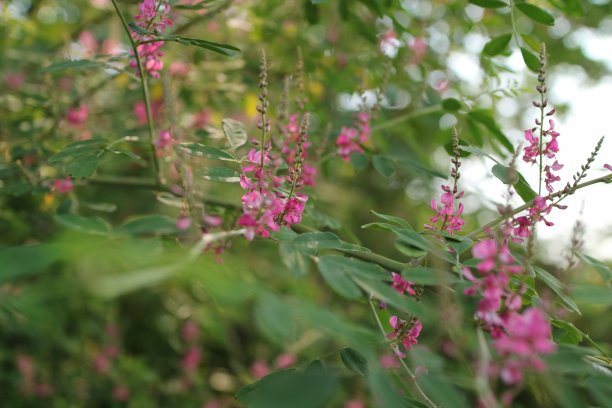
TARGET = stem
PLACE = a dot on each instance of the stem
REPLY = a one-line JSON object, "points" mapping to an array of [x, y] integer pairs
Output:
{"points": [[513, 22], [145, 92], [402, 362], [541, 161], [562, 194], [407, 116]]}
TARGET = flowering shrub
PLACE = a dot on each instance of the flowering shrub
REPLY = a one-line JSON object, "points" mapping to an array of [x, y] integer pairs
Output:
{"points": [[173, 237]]}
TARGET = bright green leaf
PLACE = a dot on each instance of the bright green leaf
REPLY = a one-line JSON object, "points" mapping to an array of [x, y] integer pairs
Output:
{"points": [[497, 45], [536, 13]]}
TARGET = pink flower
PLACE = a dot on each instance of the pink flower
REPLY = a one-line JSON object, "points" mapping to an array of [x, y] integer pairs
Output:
{"points": [[350, 139], [448, 213], [191, 360], [179, 69], [63, 186], [388, 361], [77, 116], [14, 80], [608, 166], [354, 404], [405, 332], [419, 49], [153, 19], [183, 222], [259, 369], [190, 331], [400, 285], [141, 113], [285, 360], [121, 393], [164, 143]]}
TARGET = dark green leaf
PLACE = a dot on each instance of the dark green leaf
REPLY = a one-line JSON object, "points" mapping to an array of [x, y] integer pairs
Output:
{"points": [[497, 45], [355, 361], [83, 166], [556, 286], [383, 165], [536, 14], [532, 62], [79, 148], [224, 49], [312, 388], [113, 286], [25, 260], [451, 104], [489, 3]]}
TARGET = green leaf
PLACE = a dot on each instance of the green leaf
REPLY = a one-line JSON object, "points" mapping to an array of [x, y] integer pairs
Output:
{"points": [[505, 174], [489, 3], [556, 286], [497, 45], [95, 226], [400, 222], [359, 161], [312, 242], [274, 319], [381, 384], [603, 269], [312, 388], [79, 148], [73, 64], [451, 104], [293, 258], [220, 175], [536, 14], [26, 260], [532, 42], [485, 118], [318, 1], [338, 279], [571, 334], [383, 165], [355, 361], [532, 61], [125, 153], [428, 276], [588, 294], [355, 267], [224, 49], [410, 161], [113, 286], [383, 291], [235, 133], [83, 166], [199, 150], [149, 224]]}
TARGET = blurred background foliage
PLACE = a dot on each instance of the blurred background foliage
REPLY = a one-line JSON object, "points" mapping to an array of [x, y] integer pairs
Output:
{"points": [[97, 286]]}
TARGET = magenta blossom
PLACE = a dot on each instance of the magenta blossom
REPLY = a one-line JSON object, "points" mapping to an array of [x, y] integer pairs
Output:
{"points": [[63, 186], [153, 19], [77, 116], [404, 332], [402, 286], [351, 139], [448, 213]]}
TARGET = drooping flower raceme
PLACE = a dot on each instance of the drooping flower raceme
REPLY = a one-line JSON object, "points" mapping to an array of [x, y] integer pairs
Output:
{"points": [[405, 332], [153, 17]]}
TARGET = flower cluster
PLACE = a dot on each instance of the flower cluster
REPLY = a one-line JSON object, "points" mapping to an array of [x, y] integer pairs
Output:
{"points": [[163, 144], [265, 205], [192, 356], [292, 138], [153, 17], [449, 212], [519, 337], [351, 139], [77, 116], [63, 186], [405, 332], [536, 213]]}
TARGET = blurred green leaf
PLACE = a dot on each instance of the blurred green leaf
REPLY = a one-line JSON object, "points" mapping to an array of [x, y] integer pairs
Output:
{"points": [[220, 174], [25, 260], [536, 13], [149, 224], [383, 165], [497, 45], [355, 361], [451, 104], [199, 150], [274, 319], [604, 270], [338, 279], [235, 132], [587, 294], [484, 117], [83, 166], [556, 286], [489, 3], [89, 225]]}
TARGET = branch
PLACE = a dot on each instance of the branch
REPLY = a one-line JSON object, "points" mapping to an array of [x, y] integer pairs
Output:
{"points": [[563, 193]]}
